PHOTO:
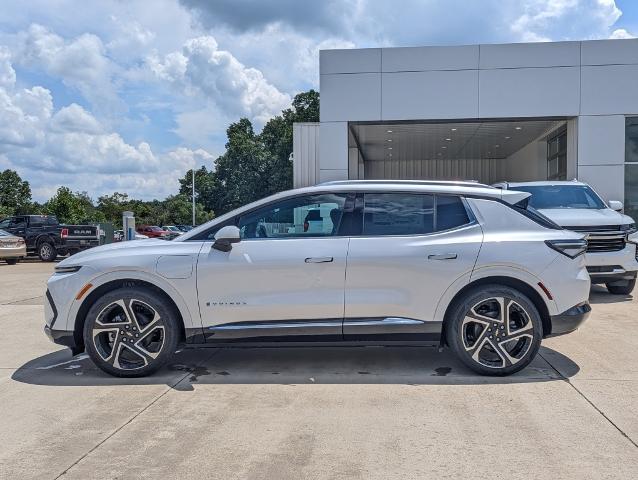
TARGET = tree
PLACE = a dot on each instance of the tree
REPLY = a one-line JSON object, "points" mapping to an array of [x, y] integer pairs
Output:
{"points": [[72, 207], [15, 194], [204, 188]]}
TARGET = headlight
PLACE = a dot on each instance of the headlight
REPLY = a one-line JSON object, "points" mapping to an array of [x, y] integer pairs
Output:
{"points": [[569, 248], [628, 228], [69, 269]]}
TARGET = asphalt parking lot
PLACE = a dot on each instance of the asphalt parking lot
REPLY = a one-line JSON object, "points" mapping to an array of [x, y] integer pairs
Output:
{"points": [[317, 413]]}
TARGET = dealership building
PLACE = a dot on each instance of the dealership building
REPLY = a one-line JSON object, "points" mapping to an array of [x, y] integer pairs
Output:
{"points": [[510, 112]]}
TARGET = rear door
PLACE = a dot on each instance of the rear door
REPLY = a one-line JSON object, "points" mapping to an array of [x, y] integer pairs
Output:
{"points": [[412, 247]]}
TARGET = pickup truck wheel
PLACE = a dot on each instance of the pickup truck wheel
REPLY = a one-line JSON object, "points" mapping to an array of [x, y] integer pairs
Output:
{"points": [[12, 261], [47, 252], [131, 332], [626, 289], [494, 330]]}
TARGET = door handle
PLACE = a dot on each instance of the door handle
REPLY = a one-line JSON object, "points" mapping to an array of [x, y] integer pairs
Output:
{"points": [[442, 256], [318, 259]]}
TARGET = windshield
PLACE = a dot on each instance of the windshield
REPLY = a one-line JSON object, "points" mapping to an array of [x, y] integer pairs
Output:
{"points": [[562, 196]]}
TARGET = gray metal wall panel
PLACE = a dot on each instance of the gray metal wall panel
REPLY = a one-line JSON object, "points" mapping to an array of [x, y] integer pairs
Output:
{"points": [[609, 52], [410, 59], [609, 89], [529, 92], [521, 55], [350, 97], [436, 94], [350, 61]]}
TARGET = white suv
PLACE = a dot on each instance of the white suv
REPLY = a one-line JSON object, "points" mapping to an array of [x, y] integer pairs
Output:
{"points": [[611, 256], [458, 264]]}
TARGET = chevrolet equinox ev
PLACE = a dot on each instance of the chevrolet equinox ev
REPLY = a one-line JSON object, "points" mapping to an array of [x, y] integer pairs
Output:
{"points": [[455, 264]]}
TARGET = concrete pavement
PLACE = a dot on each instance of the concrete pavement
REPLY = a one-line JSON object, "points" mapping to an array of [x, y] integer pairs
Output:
{"points": [[317, 412]]}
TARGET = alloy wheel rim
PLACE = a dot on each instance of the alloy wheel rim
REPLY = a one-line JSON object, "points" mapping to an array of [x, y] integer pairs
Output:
{"points": [[497, 332], [128, 334], [46, 250]]}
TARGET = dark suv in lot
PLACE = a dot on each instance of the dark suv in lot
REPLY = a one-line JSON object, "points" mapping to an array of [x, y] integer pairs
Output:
{"points": [[47, 238]]}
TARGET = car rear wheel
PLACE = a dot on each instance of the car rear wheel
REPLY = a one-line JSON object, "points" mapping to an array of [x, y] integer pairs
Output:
{"points": [[621, 289], [47, 252], [494, 330], [131, 332]]}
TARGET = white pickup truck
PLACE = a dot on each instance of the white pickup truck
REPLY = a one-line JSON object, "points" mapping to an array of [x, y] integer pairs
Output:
{"points": [[611, 256]]}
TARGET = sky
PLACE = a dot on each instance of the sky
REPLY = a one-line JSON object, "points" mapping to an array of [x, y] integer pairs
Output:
{"points": [[114, 95]]}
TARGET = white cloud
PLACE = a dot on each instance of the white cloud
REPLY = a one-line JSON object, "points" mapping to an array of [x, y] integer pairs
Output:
{"points": [[71, 147], [80, 63], [620, 33], [201, 68]]}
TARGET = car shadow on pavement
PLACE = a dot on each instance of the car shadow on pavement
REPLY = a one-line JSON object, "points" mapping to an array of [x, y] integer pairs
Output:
{"points": [[599, 295], [295, 366]]}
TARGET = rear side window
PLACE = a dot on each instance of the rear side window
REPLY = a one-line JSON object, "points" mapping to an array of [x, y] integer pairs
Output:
{"points": [[412, 214], [398, 214], [37, 221], [450, 212]]}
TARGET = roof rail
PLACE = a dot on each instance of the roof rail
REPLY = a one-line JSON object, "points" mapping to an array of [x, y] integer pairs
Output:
{"points": [[464, 183]]}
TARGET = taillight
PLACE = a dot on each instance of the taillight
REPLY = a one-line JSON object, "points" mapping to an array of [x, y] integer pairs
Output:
{"points": [[64, 233], [569, 248]]}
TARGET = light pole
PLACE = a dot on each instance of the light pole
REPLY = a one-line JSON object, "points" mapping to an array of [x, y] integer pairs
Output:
{"points": [[193, 178]]}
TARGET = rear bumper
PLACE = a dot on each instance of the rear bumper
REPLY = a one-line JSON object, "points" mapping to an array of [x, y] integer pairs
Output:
{"points": [[13, 252], [76, 244], [570, 319], [64, 338]]}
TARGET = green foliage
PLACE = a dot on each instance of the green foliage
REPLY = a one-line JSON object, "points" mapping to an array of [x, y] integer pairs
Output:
{"points": [[253, 166], [15, 194], [72, 207]]}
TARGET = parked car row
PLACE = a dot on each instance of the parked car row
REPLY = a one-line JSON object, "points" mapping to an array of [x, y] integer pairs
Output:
{"points": [[46, 237]]}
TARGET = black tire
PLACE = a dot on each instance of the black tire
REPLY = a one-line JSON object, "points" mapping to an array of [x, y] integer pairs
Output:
{"points": [[477, 338], [616, 289], [47, 251], [12, 261], [141, 346]]}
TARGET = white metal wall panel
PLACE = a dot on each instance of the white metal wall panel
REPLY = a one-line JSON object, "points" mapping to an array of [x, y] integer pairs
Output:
{"points": [[305, 148], [601, 140], [350, 61]]}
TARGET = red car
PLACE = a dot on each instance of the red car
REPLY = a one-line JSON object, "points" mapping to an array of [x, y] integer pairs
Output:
{"points": [[153, 231]]}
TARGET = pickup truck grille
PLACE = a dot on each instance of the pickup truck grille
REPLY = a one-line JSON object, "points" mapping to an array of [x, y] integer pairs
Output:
{"points": [[602, 238]]}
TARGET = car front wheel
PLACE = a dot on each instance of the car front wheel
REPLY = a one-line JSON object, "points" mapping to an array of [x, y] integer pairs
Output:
{"points": [[619, 288], [494, 330], [131, 332]]}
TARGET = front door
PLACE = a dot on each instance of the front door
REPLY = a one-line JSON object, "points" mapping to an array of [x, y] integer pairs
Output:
{"points": [[285, 278], [412, 248]]}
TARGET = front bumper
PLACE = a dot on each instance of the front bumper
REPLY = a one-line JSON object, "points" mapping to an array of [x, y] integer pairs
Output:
{"points": [[64, 338], [614, 273], [570, 319]]}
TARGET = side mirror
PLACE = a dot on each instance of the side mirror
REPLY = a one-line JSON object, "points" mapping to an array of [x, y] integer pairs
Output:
{"points": [[225, 238], [615, 205]]}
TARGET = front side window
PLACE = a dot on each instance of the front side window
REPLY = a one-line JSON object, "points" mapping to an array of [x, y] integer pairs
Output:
{"points": [[308, 216], [5, 223]]}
